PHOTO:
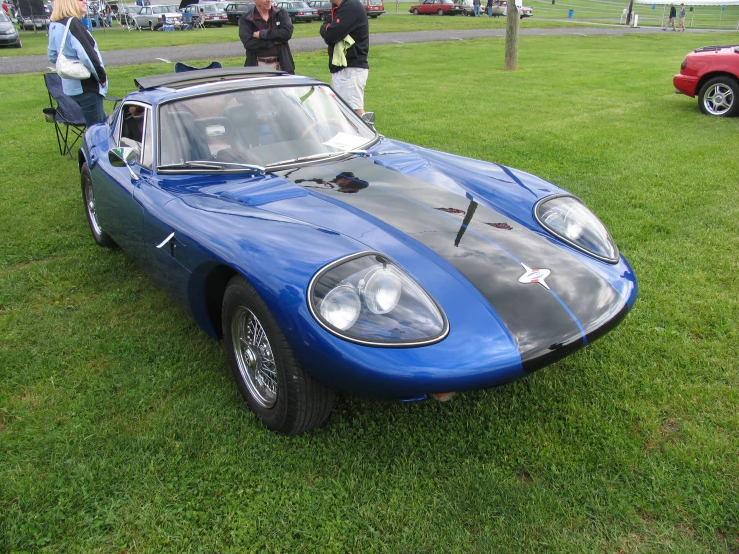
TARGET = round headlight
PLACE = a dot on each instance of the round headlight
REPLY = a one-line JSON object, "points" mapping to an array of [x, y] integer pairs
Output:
{"points": [[341, 307], [569, 219], [368, 299], [381, 291]]}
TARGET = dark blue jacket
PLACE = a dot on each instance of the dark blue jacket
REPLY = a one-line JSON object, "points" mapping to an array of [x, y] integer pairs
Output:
{"points": [[349, 18]]}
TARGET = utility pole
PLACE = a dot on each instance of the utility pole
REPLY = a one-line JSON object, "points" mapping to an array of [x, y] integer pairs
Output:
{"points": [[628, 14], [513, 21]]}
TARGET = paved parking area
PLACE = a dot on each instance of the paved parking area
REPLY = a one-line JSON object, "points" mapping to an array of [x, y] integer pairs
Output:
{"points": [[171, 54]]}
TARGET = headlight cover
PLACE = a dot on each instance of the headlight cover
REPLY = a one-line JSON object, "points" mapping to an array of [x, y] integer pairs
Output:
{"points": [[570, 220], [367, 299]]}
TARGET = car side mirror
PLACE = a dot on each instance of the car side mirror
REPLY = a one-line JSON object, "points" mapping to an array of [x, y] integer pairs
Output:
{"points": [[369, 118], [124, 157]]}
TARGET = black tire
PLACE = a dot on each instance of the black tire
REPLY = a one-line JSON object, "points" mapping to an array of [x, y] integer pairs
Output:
{"points": [[292, 19], [151, 26], [440, 12], [101, 237], [415, 11], [219, 25], [275, 387], [719, 97]]}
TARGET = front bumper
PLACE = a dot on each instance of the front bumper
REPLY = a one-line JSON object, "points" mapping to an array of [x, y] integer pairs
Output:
{"points": [[10, 40]]}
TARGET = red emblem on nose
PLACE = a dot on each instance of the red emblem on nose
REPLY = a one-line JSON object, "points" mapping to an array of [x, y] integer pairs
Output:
{"points": [[534, 276]]}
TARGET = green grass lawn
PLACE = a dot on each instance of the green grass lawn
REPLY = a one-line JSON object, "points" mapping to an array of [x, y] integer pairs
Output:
{"points": [[546, 15], [121, 429], [121, 39]]}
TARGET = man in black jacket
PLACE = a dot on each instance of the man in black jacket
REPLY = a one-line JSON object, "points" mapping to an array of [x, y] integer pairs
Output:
{"points": [[348, 72], [264, 31]]}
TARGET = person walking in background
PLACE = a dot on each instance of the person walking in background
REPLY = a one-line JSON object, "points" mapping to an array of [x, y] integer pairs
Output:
{"points": [[681, 18], [347, 37], [79, 45], [476, 7], [671, 20], [265, 31]]}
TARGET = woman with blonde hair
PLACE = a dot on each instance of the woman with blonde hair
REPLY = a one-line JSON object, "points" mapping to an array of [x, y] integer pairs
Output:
{"points": [[78, 45]]}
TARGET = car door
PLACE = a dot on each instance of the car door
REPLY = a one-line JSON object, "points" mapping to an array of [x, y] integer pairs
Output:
{"points": [[142, 16], [116, 205], [165, 242], [428, 6]]}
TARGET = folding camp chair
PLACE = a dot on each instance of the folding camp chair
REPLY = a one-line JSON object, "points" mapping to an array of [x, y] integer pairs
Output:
{"points": [[198, 22], [180, 67], [65, 114]]}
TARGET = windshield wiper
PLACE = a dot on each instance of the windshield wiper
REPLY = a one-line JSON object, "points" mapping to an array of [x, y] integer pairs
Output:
{"points": [[209, 164], [324, 156]]}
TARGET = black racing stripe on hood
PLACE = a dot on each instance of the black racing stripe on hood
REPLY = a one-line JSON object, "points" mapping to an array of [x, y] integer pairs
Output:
{"points": [[487, 248]]}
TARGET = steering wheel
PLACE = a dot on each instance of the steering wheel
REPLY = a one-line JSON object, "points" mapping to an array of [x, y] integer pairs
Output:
{"points": [[230, 155], [332, 122]]}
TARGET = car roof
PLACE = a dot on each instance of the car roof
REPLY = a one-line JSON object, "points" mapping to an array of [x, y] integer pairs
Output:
{"points": [[159, 88]]}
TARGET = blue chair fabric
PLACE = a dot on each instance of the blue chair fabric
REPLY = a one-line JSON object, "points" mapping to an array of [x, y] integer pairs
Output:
{"points": [[65, 113], [180, 67]]}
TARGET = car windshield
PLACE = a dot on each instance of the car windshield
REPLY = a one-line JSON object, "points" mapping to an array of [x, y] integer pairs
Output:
{"points": [[375, 2], [268, 128], [298, 5]]}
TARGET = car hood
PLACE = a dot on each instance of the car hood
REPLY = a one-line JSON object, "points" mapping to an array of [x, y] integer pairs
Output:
{"points": [[392, 212]]}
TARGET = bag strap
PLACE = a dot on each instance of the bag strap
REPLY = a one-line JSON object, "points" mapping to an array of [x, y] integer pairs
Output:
{"points": [[66, 31]]}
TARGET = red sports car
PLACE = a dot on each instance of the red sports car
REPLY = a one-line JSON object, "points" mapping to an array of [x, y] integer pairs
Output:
{"points": [[711, 72], [438, 7]]}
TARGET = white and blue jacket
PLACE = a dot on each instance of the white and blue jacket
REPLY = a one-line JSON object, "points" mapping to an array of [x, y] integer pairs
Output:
{"points": [[79, 46]]}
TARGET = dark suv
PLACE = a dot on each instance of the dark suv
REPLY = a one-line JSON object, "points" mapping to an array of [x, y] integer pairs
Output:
{"points": [[236, 10], [300, 11], [323, 7]]}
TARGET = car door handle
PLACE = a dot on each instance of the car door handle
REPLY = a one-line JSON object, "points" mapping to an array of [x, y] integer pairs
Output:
{"points": [[165, 241]]}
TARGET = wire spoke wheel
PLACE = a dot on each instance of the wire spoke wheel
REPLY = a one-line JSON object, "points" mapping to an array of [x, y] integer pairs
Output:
{"points": [[254, 356], [93, 219], [270, 379], [90, 206]]}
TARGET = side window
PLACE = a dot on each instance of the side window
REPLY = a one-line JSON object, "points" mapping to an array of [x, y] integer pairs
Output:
{"points": [[133, 119], [147, 154]]}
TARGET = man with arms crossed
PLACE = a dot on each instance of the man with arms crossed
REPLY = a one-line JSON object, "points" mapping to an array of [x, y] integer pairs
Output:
{"points": [[348, 20], [265, 31]]}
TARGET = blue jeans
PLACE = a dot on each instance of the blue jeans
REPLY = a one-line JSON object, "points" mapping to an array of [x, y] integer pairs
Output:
{"points": [[92, 107], [490, 11], [476, 9]]}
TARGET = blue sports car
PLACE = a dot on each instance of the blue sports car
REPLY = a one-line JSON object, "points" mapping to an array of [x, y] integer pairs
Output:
{"points": [[330, 258]]}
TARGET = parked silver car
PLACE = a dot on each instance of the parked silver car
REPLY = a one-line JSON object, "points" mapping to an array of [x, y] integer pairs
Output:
{"points": [[500, 9], [8, 33], [153, 17], [214, 13]]}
